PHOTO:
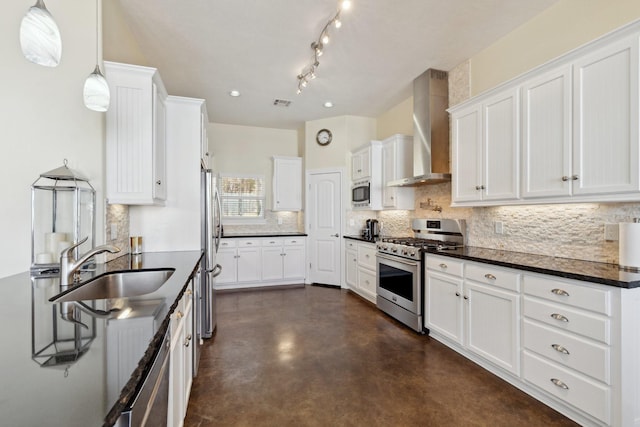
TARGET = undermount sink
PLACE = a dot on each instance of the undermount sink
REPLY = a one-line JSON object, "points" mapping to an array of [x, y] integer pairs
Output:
{"points": [[117, 284]]}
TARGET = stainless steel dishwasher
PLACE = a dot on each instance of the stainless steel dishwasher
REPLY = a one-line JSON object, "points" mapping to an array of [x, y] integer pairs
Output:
{"points": [[150, 405]]}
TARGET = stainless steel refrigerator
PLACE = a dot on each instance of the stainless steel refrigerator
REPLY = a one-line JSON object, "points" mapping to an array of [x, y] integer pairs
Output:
{"points": [[211, 232]]}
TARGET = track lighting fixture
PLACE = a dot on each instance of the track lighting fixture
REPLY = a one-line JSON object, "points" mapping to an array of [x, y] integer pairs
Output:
{"points": [[309, 73]]}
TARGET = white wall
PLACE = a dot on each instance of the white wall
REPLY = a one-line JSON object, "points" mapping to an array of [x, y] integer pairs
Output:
{"points": [[564, 26], [44, 121]]}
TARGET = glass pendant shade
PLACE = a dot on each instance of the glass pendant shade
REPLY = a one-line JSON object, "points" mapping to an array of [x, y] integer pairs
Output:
{"points": [[39, 36], [96, 91]]}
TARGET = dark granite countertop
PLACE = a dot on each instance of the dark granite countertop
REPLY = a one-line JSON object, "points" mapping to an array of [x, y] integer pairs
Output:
{"points": [[80, 392], [264, 234], [360, 238], [595, 272]]}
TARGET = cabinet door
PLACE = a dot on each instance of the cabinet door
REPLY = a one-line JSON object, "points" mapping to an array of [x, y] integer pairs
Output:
{"points": [[159, 147], [175, 414], [367, 283], [187, 344], [546, 136], [493, 325], [467, 155], [294, 262], [356, 166], [605, 120], [501, 141], [249, 264], [351, 268], [272, 263], [443, 305], [227, 258], [287, 184], [204, 141], [389, 173]]}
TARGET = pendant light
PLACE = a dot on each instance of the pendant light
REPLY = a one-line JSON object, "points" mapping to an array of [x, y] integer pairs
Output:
{"points": [[96, 89], [39, 36]]}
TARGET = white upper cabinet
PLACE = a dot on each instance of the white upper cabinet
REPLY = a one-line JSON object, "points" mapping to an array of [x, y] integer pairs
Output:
{"points": [[575, 121], [485, 150], [546, 134], [205, 155], [135, 135], [287, 183], [606, 119], [501, 135], [397, 163], [361, 164]]}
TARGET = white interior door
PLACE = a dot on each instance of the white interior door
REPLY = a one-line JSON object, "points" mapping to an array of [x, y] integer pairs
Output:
{"points": [[324, 226]]}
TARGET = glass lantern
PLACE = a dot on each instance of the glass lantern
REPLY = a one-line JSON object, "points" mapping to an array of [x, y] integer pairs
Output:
{"points": [[62, 213]]}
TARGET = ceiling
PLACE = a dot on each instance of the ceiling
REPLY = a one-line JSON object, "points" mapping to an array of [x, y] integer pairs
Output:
{"points": [[206, 48]]}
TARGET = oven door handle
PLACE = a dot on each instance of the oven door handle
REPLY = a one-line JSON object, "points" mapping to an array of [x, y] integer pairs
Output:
{"points": [[398, 259]]}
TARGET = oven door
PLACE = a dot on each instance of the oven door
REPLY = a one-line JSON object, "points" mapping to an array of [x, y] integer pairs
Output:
{"points": [[398, 281]]}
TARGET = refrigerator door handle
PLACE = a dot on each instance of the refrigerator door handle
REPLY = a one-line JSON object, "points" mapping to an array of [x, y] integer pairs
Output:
{"points": [[215, 271], [218, 215]]}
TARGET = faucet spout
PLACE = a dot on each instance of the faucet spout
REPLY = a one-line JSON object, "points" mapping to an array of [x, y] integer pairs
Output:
{"points": [[69, 266]]}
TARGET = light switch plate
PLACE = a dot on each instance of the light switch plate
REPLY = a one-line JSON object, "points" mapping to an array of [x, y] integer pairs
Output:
{"points": [[611, 232], [114, 231], [498, 227]]}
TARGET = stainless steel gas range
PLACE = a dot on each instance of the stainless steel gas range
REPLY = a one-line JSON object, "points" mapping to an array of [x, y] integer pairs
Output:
{"points": [[399, 281]]}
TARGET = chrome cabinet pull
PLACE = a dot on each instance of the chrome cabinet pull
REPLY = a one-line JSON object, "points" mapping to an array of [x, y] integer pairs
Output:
{"points": [[559, 383], [560, 349], [478, 187], [574, 177], [565, 178], [466, 297], [159, 182], [457, 294], [560, 292], [559, 317], [443, 265], [249, 243], [490, 276], [187, 341]]}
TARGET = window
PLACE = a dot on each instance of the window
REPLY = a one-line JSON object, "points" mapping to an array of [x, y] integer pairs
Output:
{"points": [[242, 198]]}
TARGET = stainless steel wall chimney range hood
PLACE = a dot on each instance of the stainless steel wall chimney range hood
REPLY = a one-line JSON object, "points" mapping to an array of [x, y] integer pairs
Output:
{"points": [[430, 130]]}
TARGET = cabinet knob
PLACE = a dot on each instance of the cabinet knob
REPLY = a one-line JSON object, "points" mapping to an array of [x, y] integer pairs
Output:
{"points": [[560, 349], [565, 178], [478, 187], [559, 317], [444, 266], [189, 292], [457, 294], [179, 315], [560, 292], [466, 297], [559, 383], [574, 177], [159, 182]]}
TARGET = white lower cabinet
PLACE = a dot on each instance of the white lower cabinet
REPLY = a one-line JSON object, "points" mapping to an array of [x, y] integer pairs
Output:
{"points": [[574, 345], [361, 267], [181, 359], [261, 262], [477, 311]]}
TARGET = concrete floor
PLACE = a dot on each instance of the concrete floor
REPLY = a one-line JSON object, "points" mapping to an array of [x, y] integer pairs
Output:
{"points": [[316, 356]]}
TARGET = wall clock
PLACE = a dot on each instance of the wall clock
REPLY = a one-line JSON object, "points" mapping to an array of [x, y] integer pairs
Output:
{"points": [[323, 137]]}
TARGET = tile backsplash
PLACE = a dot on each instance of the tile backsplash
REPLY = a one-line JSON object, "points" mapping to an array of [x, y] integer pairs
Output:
{"points": [[291, 222], [117, 215]]}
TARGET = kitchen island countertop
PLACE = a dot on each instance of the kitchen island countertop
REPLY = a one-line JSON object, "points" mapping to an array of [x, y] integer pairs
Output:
{"points": [[77, 393]]}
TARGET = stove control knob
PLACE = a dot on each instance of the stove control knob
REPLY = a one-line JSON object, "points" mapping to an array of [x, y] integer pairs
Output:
{"points": [[394, 250], [405, 252]]}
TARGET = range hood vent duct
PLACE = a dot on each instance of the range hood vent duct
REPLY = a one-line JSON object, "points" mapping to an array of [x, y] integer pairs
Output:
{"points": [[430, 130]]}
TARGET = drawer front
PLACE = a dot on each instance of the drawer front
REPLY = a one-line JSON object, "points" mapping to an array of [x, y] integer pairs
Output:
{"points": [[445, 265], [295, 241], [493, 276], [352, 245], [367, 281], [272, 242], [243, 243], [228, 243], [568, 319], [587, 395], [367, 257], [598, 300], [569, 350]]}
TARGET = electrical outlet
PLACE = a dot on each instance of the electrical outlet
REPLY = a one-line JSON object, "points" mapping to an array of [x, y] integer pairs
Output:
{"points": [[352, 222], [498, 227], [611, 232], [279, 221], [114, 231]]}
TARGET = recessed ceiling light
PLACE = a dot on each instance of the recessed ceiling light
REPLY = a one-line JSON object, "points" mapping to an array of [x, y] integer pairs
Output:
{"points": [[328, 104], [234, 93]]}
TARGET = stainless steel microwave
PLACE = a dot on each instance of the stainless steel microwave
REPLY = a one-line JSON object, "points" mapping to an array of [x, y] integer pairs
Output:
{"points": [[361, 194]]}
